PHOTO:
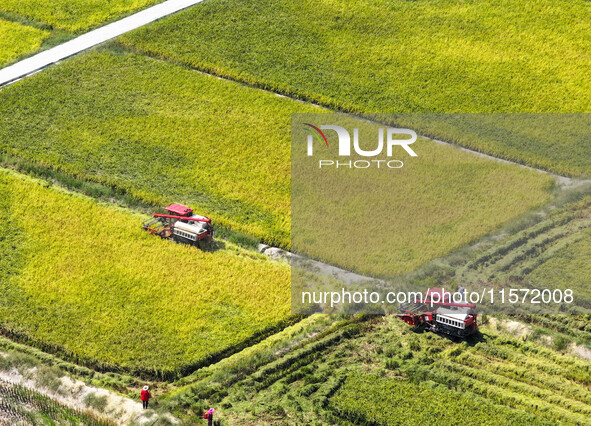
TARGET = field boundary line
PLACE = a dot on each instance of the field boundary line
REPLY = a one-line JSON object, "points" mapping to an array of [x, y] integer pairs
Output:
{"points": [[563, 181], [40, 61]]}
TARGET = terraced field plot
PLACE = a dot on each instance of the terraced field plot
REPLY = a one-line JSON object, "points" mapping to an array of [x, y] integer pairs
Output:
{"points": [[19, 405], [72, 15], [399, 56], [17, 40], [505, 371], [382, 373], [391, 402], [552, 254], [82, 279]]}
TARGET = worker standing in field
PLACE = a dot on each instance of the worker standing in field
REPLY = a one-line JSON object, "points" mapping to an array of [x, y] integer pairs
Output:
{"points": [[208, 415], [145, 396]]}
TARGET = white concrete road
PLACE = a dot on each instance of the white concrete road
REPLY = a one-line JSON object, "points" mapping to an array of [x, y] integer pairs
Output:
{"points": [[86, 41]]}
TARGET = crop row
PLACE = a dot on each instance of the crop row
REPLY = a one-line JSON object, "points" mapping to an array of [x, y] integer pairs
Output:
{"points": [[383, 373], [535, 378], [505, 371], [86, 282], [19, 405], [577, 326], [551, 254], [366, 399], [559, 224]]}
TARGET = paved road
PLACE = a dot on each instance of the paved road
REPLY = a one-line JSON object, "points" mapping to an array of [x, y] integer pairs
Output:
{"points": [[41, 60]]}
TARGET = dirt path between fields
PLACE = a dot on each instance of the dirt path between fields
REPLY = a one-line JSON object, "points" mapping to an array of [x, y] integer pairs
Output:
{"points": [[92, 38], [343, 275]]}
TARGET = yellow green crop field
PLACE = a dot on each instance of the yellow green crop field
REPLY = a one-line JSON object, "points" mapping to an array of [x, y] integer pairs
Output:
{"points": [[164, 133], [82, 279], [17, 40], [550, 254], [384, 222], [71, 15], [161, 132], [568, 268], [387, 56], [212, 107]]}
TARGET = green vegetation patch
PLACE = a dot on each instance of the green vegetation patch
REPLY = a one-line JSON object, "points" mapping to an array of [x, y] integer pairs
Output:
{"points": [[162, 133], [384, 222], [17, 40], [366, 399], [377, 371], [552, 253], [398, 56], [83, 279], [568, 268], [73, 15]]}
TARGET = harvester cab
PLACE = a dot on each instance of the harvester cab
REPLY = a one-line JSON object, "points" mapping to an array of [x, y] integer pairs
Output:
{"points": [[181, 225]]}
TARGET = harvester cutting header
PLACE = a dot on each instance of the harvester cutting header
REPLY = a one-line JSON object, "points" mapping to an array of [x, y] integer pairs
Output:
{"points": [[180, 224]]}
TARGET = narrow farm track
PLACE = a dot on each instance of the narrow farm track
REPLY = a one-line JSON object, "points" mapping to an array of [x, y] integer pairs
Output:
{"points": [[84, 42]]}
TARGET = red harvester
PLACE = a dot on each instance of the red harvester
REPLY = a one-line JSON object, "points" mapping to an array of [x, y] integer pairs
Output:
{"points": [[438, 313], [180, 224]]}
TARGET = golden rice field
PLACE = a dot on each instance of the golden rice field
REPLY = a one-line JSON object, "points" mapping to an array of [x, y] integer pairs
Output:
{"points": [[83, 279], [164, 133]]}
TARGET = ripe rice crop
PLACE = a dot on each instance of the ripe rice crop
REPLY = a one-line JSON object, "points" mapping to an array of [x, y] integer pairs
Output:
{"points": [[551, 254], [83, 279], [366, 399], [17, 40], [72, 15], [384, 222], [400, 56], [164, 133]]}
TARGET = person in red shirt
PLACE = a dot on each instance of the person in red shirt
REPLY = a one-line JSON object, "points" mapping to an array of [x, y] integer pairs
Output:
{"points": [[145, 396]]}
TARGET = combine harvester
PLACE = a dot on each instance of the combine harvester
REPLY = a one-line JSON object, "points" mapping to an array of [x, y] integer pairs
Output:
{"points": [[181, 225], [439, 314]]}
